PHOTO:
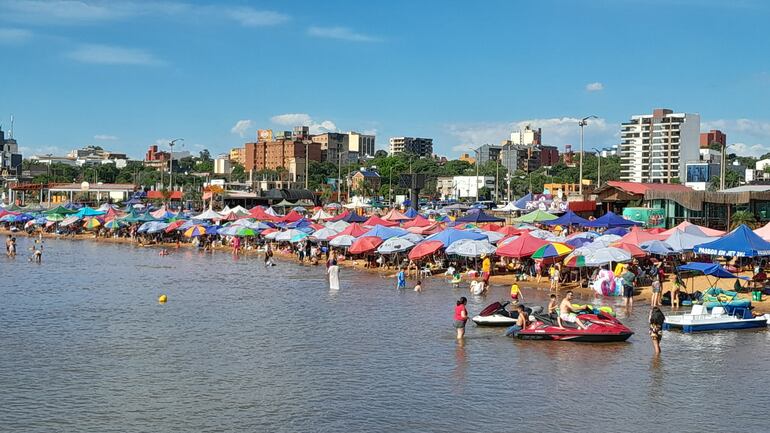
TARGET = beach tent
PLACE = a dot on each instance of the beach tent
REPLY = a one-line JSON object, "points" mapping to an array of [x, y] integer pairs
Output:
{"points": [[660, 248], [395, 215], [741, 242], [683, 241], [424, 249], [568, 219], [355, 230], [611, 219], [450, 236], [689, 227], [637, 235], [411, 213], [536, 217], [478, 217], [523, 246], [418, 221], [470, 248], [375, 220], [385, 233]]}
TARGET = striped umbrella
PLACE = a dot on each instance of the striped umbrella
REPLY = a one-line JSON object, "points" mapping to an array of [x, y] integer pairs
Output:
{"points": [[195, 230], [113, 224], [92, 223], [552, 249], [575, 261]]}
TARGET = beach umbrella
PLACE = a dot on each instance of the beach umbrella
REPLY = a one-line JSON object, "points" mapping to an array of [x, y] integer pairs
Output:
{"points": [[324, 234], [657, 247], [631, 248], [575, 261], [299, 209], [365, 244], [638, 235], [195, 230], [523, 246], [536, 217], [606, 239], [424, 249], [471, 248], [342, 241], [683, 241], [607, 255], [298, 237], [69, 220], [92, 223], [321, 215], [450, 235], [479, 217], [492, 237], [271, 235], [286, 236], [578, 242], [552, 249], [394, 245], [620, 231], [543, 234], [355, 230], [55, 217], [687, 227], [174, 225], [418, 221], [246, 231], [587, 235], [333, 206], [229, 230], [375, 221], [155, 226], [509, 231], [395, 215], [412, 237], [507, 240], [337, 226], [411, 213], [385, 233]]}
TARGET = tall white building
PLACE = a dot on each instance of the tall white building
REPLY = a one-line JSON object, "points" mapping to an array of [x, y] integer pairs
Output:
{"points": [[655, 147], [422, 147], [362, 144], [526, 136]]}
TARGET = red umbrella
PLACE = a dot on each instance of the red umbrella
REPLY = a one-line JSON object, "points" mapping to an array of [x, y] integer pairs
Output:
{"points": [[525, 245], [395, 215], [374, 220], [510, 231], [174, 225], [365, 244], [490, 227], [354, 230], [631, 248], [425, 248], [418, 221]]}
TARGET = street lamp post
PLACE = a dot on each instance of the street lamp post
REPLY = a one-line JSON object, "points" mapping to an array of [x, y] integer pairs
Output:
{"points": [[171, 166], [582, 123], [478, 158], [598, 167]]}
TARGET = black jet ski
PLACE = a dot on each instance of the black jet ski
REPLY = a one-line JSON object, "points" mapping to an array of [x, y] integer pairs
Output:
{"points": [[496, 314]]}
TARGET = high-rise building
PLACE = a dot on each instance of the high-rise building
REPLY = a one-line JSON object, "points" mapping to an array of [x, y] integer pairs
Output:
{"points": [[222, 164], [488, 152], [334, 147], [281, 154], [10, 158], [361, 144], [655, 147], [422, 147], [527, 136], [711, 137], [300, 133], [238, 155]]}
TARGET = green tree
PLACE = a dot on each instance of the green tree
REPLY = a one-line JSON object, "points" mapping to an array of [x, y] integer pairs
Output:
{"points": [[238, 174], [743, 217]]}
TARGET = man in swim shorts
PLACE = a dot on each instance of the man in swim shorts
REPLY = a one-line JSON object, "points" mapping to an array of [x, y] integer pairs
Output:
{"points": [[569, 314]]}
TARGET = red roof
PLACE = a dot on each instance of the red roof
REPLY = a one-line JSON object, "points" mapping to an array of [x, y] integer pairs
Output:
{"points": [[640, 188], [175, 195]]}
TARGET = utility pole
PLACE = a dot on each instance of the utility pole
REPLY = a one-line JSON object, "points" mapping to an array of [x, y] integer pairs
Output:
{"points": [[582, 123], [478, 158], [598, 167], [307, 162], [339, 177], [171, 166], [722, 171]]}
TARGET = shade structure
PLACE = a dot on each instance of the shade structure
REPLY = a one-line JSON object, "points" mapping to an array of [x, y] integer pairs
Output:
{"points": [[620, 231], [575, 261], [536, 217], [291, 217], [611, 219], [552, 249], [286, 236], [510, 230], [411, 213], [92, 223], [113, 224], [355, 230], [657, 247], [59, 210], [523, 246], [385, 233], [394, 245], [395, 215], [471, 248], [229, 230], [152, 227], [478, 217], [209, 214], [633, 249], [424, 249], [88, 212], [270, 211], [578, 242], [569, 218], [342, 241], [365, 244], [324, 234], [607, 255], [231, 216], [375, 220], [284, 203], [638, 235], [711, 269], [299, 209], [741, 242], [418, 221], [195, 230], [321, 215], [450, 235], [687, 227], [682, 241]]}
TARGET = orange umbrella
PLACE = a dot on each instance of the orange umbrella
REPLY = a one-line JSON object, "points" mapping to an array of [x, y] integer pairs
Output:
{"points": [[425, 248], [365, 245]]}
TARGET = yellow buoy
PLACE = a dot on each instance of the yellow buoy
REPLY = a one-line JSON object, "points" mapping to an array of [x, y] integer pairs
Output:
{"points": [[162, 299]]}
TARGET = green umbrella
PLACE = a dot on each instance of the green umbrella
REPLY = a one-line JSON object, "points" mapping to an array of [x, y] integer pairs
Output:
{"points": [[55, 217], [536, 217], [245, 231]]}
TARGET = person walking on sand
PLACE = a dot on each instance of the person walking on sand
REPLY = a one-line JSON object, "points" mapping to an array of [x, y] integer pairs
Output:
{"points": [[460, 317], [334, 275], [656, 328]]}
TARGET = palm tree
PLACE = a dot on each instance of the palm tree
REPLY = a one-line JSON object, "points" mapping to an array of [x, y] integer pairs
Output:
{"points": [[743, 217]]}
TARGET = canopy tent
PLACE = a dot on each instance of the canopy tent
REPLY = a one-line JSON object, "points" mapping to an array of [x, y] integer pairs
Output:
{"points": [[611, 219], [427, 230], [536, 217], [633, 249], [88, 212], [710, 269], [59, 210], [471, 248], [394, 245], [270, 211], [413, 237], [523, 246], [411, 213], [284, 203], [258, 212], [568, 219], [620, 231], [637, 235], [288, 235], [741, 242], [352, 217], [424, 249], [418, 221], [395, 215], [683, 241], [385, 233], [478, 217], [375, 220], [689, 227], [509, 207], [492, 237], [660, 248], [291, 217], [209, 214], [522, 202], [450, 236], [321, 215], [355, 230]]}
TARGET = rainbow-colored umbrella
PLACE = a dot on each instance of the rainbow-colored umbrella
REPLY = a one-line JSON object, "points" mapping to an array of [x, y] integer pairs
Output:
{"points": [[575, 261], [113, 224], [552, 249], [92, 223], [195, 230]]}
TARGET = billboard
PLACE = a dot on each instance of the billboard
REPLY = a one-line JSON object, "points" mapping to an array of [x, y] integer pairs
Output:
{"points": [[264, 135]]}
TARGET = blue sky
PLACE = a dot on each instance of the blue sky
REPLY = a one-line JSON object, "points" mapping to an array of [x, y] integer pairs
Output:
{"points": [[127, 74]]}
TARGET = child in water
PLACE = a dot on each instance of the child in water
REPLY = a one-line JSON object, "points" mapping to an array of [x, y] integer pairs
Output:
{"points": [[418, 286], [400, 279]]}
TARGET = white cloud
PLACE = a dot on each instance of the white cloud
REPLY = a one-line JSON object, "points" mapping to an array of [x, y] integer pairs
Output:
{"points": [[14, 36], [251, 17], [370, 131], [105, 137], [304, 119], [743, 149], [342, 33], [749, 127], [60, 11], [594, 87], [242, 127], [112, 55]]}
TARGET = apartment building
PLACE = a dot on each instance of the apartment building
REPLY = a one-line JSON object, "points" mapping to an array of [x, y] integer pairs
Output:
{"points": [[334, 147], [422, 147], [654, 148], [285, 154], [362, 145]]}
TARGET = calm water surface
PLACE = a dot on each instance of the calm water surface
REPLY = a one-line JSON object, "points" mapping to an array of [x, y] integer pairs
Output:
{"points": [[84, 346]]}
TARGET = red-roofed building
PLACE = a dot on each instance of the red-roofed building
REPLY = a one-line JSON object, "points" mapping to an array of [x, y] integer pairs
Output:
{"points": [[158, 195], [616, 195]]}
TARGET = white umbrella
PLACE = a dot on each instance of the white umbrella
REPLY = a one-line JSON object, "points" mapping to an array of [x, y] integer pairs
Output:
{"points": [[607, 239], [507, 240], [394, 245], [210, 214], [342, 241], [337, 225], [272, 236], [607, 255], [324, 234], [321, 215], [288, 235], [492, 236], [543, 234], [412, 237], [470, 248]]}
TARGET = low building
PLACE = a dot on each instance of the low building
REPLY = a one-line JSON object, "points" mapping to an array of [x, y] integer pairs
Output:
{"points": [[365, 179], [617, 195], [465, 187], [222, 165], [467, 158], [238, 155], [445, 187], [488, 152], [714, 136]]}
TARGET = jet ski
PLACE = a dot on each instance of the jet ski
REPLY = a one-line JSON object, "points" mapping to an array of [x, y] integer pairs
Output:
{"points": [[601, 328], [495, 314]]}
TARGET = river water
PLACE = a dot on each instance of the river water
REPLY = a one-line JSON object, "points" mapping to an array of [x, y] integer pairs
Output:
{"points": [[85, 346]]}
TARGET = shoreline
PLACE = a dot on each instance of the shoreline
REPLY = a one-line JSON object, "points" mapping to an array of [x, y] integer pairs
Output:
{"points": [[641, 298]]}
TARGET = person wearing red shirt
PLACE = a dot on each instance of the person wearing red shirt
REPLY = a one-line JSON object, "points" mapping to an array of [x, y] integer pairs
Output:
{"points": [[460, 317]]}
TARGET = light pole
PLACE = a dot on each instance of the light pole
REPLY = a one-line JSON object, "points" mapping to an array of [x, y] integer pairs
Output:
{"points": [[598, 167], [307, 162], [339, 177], [171, 166], [497, 175], [478, 158], [582, 123], [390, 186]]}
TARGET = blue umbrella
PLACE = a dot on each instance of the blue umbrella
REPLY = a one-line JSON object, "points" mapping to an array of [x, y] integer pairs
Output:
{"points": [[620, 231], [578, 242], [656, 247], [385, 233], [450, 236]]}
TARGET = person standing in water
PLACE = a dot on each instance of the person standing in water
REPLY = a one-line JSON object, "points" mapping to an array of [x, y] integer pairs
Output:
{"points": [[401, 279], [656, 328], [460, 317], [334, 275]]}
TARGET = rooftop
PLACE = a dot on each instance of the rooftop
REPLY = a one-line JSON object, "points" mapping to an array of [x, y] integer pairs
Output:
{"points": [[641, 188]]}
